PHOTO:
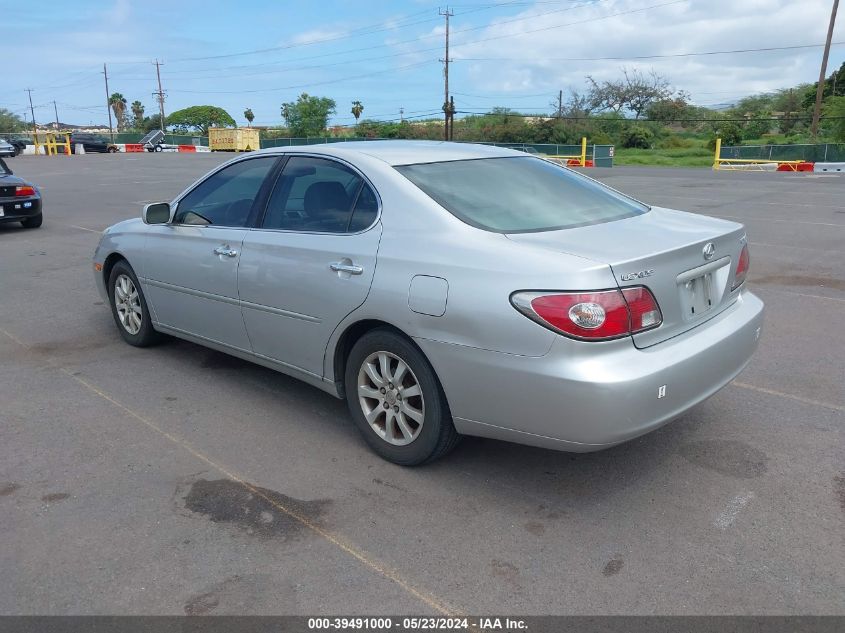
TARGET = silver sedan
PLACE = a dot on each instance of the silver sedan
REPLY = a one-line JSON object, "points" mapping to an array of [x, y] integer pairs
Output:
{"points": [[444, 290]]}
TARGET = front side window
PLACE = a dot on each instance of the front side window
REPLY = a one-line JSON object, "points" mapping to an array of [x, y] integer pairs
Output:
{"points": [[318, 195], [226, 197], [519, 194]]}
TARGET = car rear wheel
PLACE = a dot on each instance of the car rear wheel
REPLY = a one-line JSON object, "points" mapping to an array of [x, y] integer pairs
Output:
{"points": [[129, 307], [396, 401], [34, 222]]}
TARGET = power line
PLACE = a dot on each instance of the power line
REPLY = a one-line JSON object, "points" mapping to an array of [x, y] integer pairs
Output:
{"points": [[635, 57], [381, 28], [597, 119], [308, 85], [431, 49]]}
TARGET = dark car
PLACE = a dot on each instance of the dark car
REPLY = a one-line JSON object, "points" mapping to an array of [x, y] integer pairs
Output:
{"points": [[20, 201], [19, 143], [92, 143]]}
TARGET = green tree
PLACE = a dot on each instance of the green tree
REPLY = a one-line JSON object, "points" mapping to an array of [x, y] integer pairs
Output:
{"points": [[118, 105], [150, 123], [200, 118], [757, 125], [357, 109], [834, 111], [137, 115], [308, 116], [249, 116], [11, 122], [729, 131], [834, 86], [669, 110]]}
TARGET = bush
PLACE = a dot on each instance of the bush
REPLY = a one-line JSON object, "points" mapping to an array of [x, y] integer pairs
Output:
{"points": [[676, 142], [729, 132], [636, 136]]}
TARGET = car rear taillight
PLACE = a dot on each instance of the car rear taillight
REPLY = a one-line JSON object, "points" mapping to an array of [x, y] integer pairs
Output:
{"points": [[741, 267], [596, 316], [24, 191]]}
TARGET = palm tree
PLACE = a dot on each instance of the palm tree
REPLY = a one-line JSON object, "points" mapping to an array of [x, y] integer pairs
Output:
{"points": [[118, 105], [357, 109], [137, 114], [249, 116]]}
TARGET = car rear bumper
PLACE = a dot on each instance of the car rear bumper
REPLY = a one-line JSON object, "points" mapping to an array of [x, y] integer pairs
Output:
{"points": [[589, 396], [16, 209]]}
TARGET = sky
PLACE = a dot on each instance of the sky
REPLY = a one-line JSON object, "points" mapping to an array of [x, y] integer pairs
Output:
{"points": [[515, 54]]}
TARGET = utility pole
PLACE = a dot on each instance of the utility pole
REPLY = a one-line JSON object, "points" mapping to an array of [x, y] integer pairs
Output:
{"points": [[31, 109], [814, 128], [56, 110], [559, 103], [108, 105], [159, 95], [451, 117], [401, 115], [447, 14]]}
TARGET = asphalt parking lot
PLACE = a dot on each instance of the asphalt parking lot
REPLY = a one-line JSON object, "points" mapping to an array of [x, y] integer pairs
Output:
{"points": [[177, 480]]}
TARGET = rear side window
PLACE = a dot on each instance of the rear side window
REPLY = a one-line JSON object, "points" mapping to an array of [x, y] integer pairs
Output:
{"points": [[519, 194], [317, 195]]}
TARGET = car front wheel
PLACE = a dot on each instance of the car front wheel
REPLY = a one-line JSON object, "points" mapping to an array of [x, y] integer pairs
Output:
{"points": [[129, 307], [396, 401]]}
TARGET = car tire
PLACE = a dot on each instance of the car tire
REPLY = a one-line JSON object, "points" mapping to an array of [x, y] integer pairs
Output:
{"points": [[126, 299], [410, 430], [34, 222], [112, 150]]}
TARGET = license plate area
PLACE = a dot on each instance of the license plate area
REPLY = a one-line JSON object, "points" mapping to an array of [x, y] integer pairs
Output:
{"points": [[697, 296], [703, 288]]}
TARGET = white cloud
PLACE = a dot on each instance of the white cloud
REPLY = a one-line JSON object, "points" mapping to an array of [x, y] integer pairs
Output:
{"points": [[533, 49]]}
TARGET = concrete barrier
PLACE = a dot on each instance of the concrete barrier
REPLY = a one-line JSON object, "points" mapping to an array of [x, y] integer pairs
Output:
{"points": [[821, 168]]}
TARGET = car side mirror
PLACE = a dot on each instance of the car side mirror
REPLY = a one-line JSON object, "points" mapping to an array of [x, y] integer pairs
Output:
{"points": [[156, 213]]}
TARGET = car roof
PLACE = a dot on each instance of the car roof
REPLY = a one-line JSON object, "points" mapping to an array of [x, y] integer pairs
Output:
{"points": [[402, 152]]}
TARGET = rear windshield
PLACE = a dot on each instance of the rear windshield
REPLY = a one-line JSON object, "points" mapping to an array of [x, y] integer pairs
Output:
{"points": [[519, 194]]}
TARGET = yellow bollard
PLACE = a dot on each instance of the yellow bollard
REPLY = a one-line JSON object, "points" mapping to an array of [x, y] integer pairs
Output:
{"points": [[583, 151], [716, 156]]}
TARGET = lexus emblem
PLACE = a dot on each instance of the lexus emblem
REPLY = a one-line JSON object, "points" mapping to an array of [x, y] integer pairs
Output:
{"points": [[709, 250]]}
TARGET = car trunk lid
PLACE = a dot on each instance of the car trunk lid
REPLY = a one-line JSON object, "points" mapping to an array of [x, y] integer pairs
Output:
{"points": [[663, 250]]}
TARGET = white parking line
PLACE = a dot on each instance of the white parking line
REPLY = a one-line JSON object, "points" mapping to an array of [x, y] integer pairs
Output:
{"points": [[82, 228], [727, 517], [797, 294], [790, 396]]}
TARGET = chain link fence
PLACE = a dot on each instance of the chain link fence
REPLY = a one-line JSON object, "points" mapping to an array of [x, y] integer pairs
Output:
{"points": [[818, 153]]}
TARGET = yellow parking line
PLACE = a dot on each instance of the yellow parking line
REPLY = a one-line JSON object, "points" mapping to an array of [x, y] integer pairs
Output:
{"points": [[335, 539], [790, 396]]}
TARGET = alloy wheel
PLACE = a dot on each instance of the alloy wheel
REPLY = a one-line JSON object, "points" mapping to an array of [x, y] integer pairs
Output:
{"points": [[127, 302], [391, 398]]}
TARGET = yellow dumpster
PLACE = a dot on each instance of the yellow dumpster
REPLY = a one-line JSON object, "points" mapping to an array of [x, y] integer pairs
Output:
{"points": [[233, 139]]}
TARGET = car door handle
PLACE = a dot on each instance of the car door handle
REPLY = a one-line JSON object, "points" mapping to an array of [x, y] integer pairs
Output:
{"points": [[225, 250], [352, 269]]}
